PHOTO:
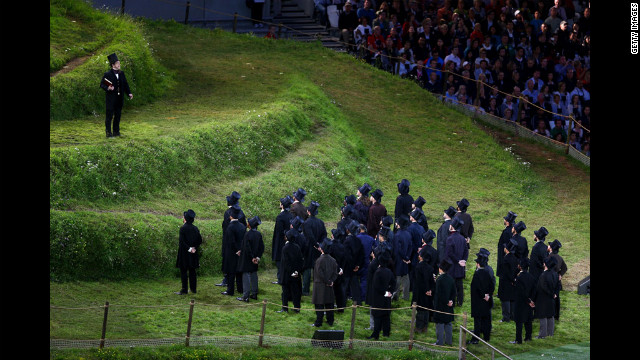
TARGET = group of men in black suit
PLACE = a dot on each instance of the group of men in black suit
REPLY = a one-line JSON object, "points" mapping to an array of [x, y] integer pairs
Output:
{"points": [[372, 257]]}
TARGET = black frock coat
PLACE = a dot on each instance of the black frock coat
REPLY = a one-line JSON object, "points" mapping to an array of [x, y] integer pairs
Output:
{"points": [[189, 236], [445, 291], [481, 284], [225, 223], [525, 293], [466, 230], [282, 225], [112, 99], [325, 273], [403, 205], [536, 260], [507, 275], [291, 261], [315, 232], [383, 281], [252, 247], [423, 282], [297, 209], [546, 287], [505, 237], [231, 243], [441, 238]]}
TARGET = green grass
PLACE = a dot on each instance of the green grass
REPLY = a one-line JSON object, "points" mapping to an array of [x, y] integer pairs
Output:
{"points": [[335, 123]]}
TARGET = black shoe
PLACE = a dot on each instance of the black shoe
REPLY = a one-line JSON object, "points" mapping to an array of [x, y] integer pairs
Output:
{"points": [[116, 133], [221, 284], [275, 282], [109, 134], [254, 297], [226, 293], [371, 338], [514, 342], [181, 292], [316, 325], [282, 311], [242, 299], [473, 341]]}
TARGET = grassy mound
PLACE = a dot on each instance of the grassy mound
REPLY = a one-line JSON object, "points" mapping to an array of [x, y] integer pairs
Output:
{"points": [[78, 31]]}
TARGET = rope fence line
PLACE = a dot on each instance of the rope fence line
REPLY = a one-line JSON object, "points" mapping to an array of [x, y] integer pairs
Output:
{"points": [[241, 339]]}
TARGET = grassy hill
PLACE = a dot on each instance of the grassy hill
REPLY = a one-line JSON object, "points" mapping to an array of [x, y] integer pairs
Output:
{"points": [[265, 117]]}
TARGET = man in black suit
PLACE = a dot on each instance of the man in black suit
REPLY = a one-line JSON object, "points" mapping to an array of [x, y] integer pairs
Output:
{"points": [[232, 244], [291, 277], [115, 85], [188, 246], [282, 225]]}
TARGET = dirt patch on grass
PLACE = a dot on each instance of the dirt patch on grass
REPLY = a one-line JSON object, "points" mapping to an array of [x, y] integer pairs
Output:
{"points": [[71, 65]]}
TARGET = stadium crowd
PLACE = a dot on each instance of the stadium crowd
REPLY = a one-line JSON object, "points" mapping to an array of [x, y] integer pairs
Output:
{"points": [[489, 54], [374, 256]]}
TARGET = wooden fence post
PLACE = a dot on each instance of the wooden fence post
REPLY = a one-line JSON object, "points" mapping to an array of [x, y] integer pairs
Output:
{"points": [[235, 21], [186, 15], [353, 325], [279, 30], [264, 311], [189, 323], [569, 132], [463, 339], [414, 310], [104, 324]]}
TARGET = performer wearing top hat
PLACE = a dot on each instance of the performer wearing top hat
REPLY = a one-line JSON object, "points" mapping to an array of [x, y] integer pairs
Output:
{"points": [[523, 304], [282, 225], [115, 85], [443, 231], [467, 228], [482, 288], [538, 253], [232, 199], [560, 268], [363, 203], [232, 243], [404, 200], [505, 236], [297, 209], [376, 212], [188, 246], [314, 232], [250, 253]]}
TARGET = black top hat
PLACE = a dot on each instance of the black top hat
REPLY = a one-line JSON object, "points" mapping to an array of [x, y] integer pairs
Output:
{"points": [[403, 221], [326, 245], [353, 227], [313, 208], [541, 233], [350, 199], [384, 259], [456, 223], [416, 213], [428, 236], [387, 221], [291, 235], [235, 211], [420, 201], [445, 265], [189, 215], [512, 245], [524, 262], [286, 202], [384, 231], [520, 227], [347, 210], [482, 260], [425, 254], [364, 189], [297, 222], [463, 204], [337, 233], [233, 198], [483, 252], [254, 222], [555, 245], [451, 212], [550, 262], [377, 194], [113, 58], [403, 186], [511, 216], [300, 194]]}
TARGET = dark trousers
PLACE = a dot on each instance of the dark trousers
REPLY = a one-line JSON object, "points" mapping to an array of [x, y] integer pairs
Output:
{"points": [[292, 290], [234, 278], [189, 279], [381, 321], [306, 281], [320, 313], [482, 325], [527, 330], [459, 291], [352, 285], [113, 112], [256, 12], [422, 319], [279, 267], [507, 309], [557, 306], [341, 299]]}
